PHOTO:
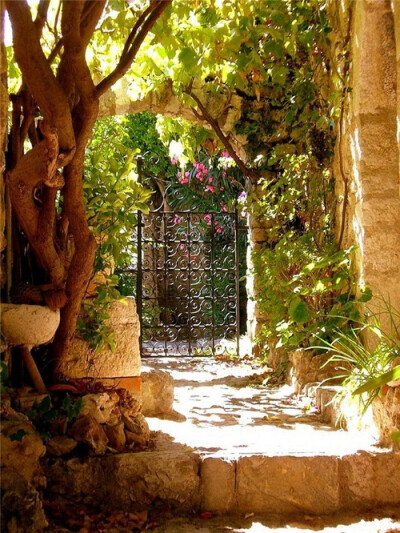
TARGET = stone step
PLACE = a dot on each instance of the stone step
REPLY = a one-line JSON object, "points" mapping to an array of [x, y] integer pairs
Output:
{"points": [[190, 482]]}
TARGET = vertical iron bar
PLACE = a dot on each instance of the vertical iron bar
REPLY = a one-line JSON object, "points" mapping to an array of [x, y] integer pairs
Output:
{"points": [[165, 312], [212, 285], [189, 248], [237, 265], [139, 266]]}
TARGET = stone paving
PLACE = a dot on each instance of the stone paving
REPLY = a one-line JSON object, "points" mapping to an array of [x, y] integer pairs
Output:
{"points": [[227, 414], [237, 457]]}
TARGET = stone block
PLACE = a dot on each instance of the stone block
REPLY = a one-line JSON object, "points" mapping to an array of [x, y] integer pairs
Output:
{"points": [[137, 480], [123, 362], [288, 484], [369, 480], [218, 479], [129, 481], [78, 480], [157, 393]]}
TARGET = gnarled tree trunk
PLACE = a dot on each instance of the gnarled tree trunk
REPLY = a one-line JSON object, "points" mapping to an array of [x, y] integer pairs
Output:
{"points": [[68, 104]]}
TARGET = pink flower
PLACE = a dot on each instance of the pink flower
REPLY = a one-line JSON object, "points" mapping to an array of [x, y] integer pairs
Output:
{"points": [[242, 196], [224, 174], [210, 188], [222, 188], [219, 229], [207, 219], [187, 174], [174, 161], [210, 180], [177, 219], [182, 246], [225, 154], [184, 181]]}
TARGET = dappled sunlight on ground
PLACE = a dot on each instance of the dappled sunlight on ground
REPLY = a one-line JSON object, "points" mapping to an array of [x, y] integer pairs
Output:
{"points": [[227, 414], [346, 523]]}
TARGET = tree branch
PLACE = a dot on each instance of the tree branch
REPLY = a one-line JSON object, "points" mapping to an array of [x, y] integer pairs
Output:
{"points": [[90, 17], [38, 75], [41, 16], [205, 115], [127, 59]]}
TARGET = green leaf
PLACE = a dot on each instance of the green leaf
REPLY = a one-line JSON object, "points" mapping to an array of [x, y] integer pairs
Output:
{"points": [[396, 436], [45, 405], [376, 383], [66, 404], [366, 295], [188, 57], [18, 435], [298, 311]]}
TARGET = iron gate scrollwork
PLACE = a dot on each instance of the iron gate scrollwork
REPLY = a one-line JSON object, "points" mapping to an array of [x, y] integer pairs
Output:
{"points": [[188, 283]]}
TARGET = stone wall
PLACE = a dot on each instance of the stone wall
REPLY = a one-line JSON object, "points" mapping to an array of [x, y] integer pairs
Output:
{"points": [[3, 141], [368, 154], [256, 238]]}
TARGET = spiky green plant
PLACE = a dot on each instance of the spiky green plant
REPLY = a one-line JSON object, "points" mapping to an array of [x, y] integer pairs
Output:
{"points": [[365, 354]]}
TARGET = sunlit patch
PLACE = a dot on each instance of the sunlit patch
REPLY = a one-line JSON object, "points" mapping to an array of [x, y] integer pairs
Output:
{"points": [[228, 414]]}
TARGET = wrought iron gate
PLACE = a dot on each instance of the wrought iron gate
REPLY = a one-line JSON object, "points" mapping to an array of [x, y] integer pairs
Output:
{"points": [[188, 283]]}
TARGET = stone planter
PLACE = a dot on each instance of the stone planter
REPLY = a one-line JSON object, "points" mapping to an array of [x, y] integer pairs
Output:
{"points": [[119, 368]]}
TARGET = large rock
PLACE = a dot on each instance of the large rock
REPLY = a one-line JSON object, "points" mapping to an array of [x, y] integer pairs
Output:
{"points": [[21, 449], [21, 505], [87, 430], [116, 436], [124, 361], [157, 393], [137, 430], [60, 445], [21, 474], [386, 409], [310, 368], [100, 406], [28, 324]]}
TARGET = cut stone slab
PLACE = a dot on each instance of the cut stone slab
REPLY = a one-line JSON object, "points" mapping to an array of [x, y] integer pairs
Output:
{"points": [[288, 484], [141, 479], [129, 481], [218, 480], [157, 393], [370, 480]]}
